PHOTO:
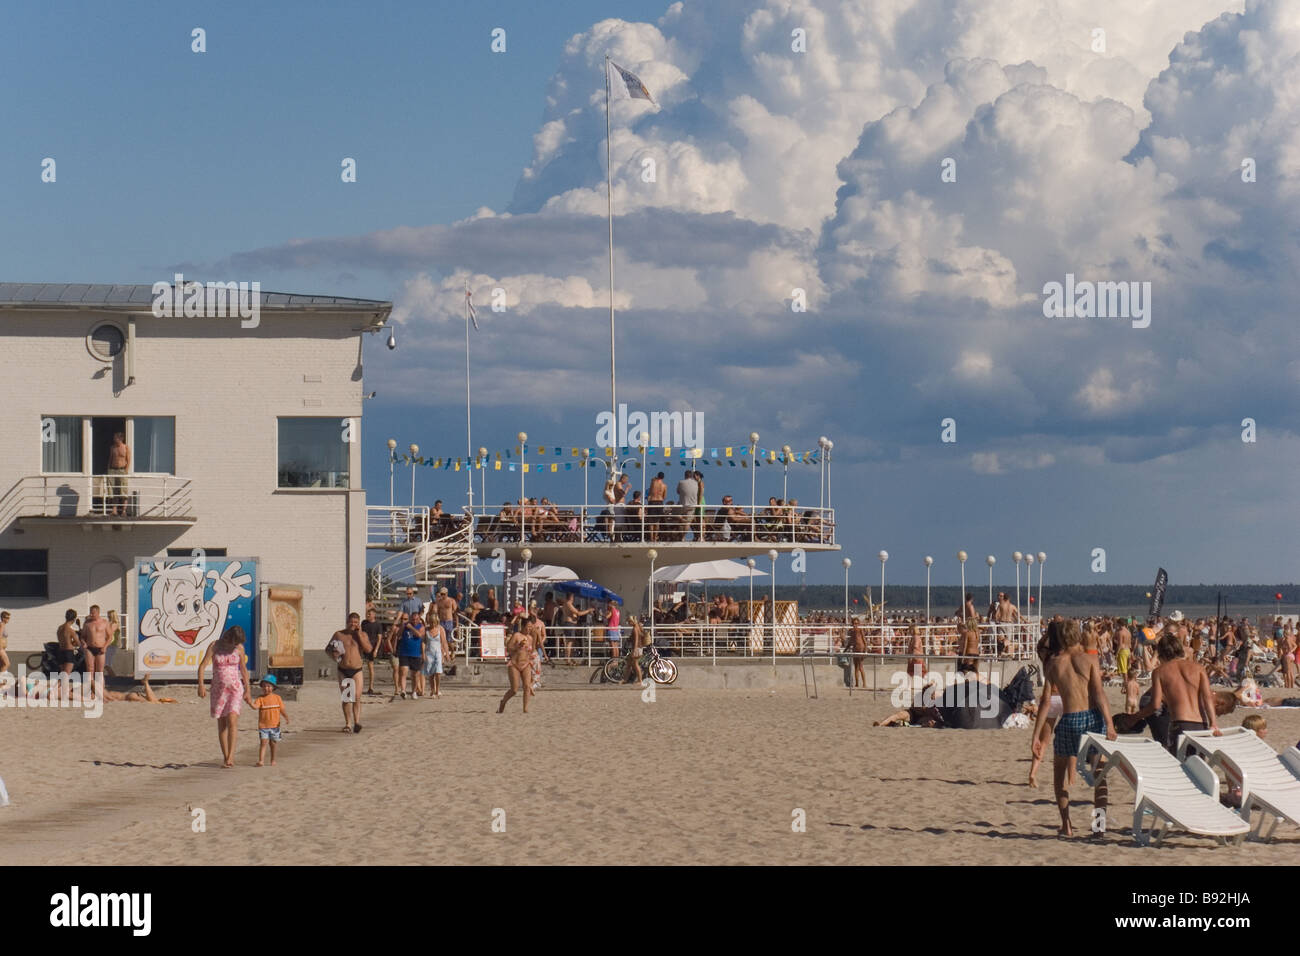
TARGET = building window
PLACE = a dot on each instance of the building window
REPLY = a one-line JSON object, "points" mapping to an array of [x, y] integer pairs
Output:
{"points": [[106, 342], [155, 446], [312, 453], [24, 573], [61, 444], [189, 552]]}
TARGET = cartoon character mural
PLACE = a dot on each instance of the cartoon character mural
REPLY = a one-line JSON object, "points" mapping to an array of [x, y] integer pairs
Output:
{"points": [[186, 605]]}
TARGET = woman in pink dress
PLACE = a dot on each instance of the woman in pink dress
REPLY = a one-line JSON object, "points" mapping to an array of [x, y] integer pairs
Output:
{"points": [[229, 686]]}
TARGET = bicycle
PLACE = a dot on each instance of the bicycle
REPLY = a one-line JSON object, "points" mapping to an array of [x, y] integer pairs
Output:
{"points": [[660, 669]]}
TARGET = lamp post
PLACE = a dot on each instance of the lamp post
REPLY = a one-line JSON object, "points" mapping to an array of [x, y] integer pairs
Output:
{"points": [[753, 471], [586, 464], [392, 460], [961, 557], [652, 554], [883, 556], [523, 502], [1042, 559], [772, 555], [847, 564], [527, 555], [749, 611], [928, 561], [482, 478], [644, 438], [415, 450], [1029, 580], [829, 445], [821, 481], [990, 561], [785, 473], [1017, 557]]}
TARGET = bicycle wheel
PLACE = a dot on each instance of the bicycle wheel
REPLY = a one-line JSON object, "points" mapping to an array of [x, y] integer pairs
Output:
{"points": [[663, 670], [613, 670], [33, 663]]}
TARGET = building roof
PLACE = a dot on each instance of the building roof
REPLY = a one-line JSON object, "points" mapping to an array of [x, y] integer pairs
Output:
{"points": [[135, 298]]}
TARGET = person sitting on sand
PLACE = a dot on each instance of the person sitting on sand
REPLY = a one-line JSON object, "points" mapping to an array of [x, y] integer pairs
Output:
{"points": [[1077, 678]]}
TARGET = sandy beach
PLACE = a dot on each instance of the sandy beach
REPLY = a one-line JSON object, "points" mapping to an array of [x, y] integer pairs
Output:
{"points": [[591, 775]]}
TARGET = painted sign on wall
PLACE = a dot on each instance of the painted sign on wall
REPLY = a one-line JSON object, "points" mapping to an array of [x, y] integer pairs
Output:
{"points": [[183, 606]]}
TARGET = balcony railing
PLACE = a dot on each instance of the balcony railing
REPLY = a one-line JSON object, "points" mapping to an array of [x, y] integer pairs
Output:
{"points": [[387, 527], [656, 524], [99, 497]]}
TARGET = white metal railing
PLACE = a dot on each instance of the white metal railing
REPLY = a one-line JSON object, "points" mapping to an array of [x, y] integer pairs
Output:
{"points": [[793, 642], [668, 522], [136, 496], [396, 526], [423, 561]]}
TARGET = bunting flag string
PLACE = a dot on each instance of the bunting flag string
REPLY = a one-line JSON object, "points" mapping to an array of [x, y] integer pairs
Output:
{"points": [[656, 457]]}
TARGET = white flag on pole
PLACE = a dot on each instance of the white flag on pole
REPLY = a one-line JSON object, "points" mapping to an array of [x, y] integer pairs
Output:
{"points": [[469, 305], [635, 88]]}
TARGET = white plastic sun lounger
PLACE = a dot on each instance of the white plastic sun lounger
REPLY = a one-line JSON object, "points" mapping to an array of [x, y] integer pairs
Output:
{"points": [[1269, 781], [1184, 795]]}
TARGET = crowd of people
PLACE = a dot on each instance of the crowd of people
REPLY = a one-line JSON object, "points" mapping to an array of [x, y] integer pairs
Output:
{"points": [[628, 516]]}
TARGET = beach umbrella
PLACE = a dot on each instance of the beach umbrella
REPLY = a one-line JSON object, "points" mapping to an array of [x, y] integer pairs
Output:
{"points": [[587, 589], [544, 573], [706, 571]]}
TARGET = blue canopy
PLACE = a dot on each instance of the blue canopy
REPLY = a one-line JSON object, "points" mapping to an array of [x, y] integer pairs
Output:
{"points": [[587, 589]]}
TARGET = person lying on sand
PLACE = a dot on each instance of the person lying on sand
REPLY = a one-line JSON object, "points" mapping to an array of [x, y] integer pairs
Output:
{"points": [[135, 697], [913, 717]]}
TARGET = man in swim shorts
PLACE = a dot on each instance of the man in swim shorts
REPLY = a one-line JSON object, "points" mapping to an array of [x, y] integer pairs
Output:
{"points": [[348, 646], [1181, 685], [1076, 677], [94, 638]]}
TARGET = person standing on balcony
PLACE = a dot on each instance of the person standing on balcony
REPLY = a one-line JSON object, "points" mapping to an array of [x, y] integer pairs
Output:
{"points": [[119, 460], [688, 499], [655, 500]]}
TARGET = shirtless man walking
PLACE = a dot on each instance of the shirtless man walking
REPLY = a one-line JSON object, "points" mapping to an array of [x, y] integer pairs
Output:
{"points": [[655, 504], [349, 645], [94, 638], [1076, 677], [1182, 685], [446, 607]]}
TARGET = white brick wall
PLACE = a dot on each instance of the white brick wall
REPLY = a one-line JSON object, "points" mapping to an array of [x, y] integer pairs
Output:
{"points": [[226, 387]]}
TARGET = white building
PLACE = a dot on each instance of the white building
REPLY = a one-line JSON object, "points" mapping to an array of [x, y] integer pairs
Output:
{"points": [[245, 441]]}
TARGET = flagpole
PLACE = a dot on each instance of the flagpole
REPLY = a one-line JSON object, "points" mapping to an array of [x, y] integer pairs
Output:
{"points": [[469, 444], [609, 197]]}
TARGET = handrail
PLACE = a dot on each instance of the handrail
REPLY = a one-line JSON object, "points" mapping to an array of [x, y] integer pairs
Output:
{"points": [[742, 641], [80, 496], [451, 551], [603, 522]]}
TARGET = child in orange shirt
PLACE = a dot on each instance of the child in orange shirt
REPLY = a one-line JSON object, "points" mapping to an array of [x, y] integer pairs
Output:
{"points": [[270, 711]]}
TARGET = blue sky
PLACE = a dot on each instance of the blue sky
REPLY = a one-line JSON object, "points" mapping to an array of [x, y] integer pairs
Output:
{"points": [[817, 169]]}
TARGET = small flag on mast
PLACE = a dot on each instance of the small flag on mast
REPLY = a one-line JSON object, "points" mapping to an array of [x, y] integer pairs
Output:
{"points": [[469, 305], [635, 88]]}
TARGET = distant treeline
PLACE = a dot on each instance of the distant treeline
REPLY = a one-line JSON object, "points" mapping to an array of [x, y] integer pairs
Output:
{"points": [[944, 599]]}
